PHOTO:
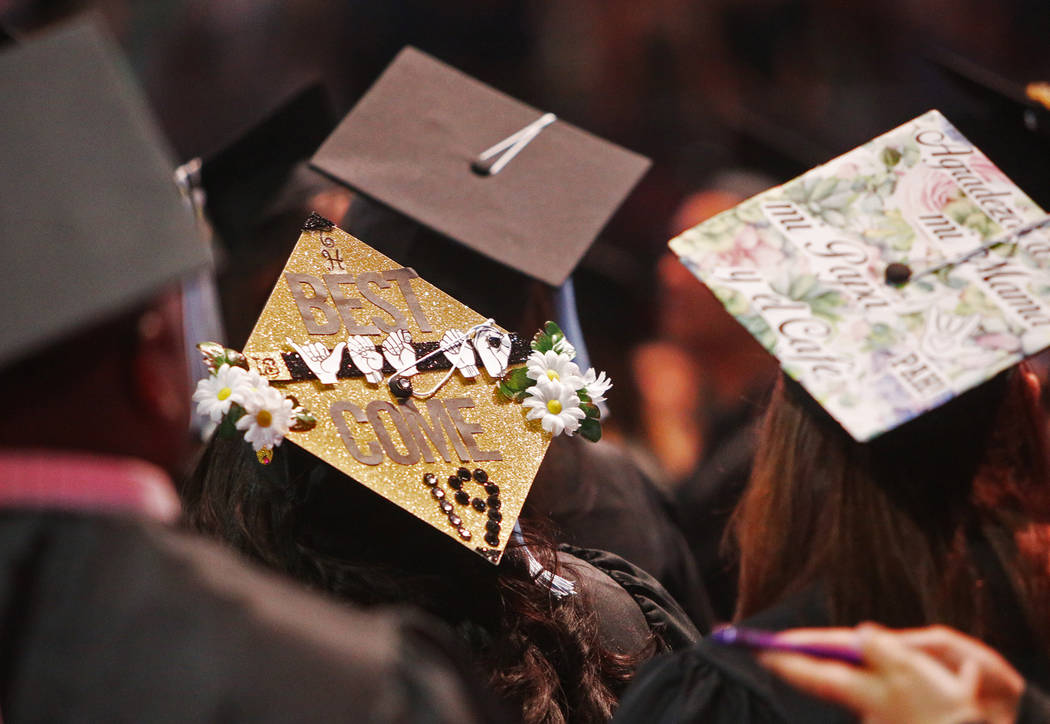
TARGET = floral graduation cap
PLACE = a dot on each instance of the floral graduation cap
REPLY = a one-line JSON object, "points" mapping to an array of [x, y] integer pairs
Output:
{"points": [[395, 383], [890, 279]]}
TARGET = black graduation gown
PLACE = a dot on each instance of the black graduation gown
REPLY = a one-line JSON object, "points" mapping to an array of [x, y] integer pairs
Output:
{"points": [[716, 684], [114, 619], [1034, 707], [599, 498], [632, 606]]}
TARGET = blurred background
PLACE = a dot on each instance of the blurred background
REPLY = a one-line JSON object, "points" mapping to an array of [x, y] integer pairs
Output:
{"points": [[726, 96]]}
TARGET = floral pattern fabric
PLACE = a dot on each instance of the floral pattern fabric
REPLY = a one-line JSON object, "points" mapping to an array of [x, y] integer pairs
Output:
{"points": [[803, 268]]}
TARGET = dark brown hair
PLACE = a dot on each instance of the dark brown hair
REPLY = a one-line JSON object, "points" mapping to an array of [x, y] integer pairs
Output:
{"points": [[306, 519], [901, 530]]}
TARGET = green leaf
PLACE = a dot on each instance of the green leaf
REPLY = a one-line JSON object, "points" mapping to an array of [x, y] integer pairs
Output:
{"points": [[591, 430], [506, 391], [519, 379], [890, 156], [582, 394], [304, 421], [542, 342], [591, 411], [228, 426]]}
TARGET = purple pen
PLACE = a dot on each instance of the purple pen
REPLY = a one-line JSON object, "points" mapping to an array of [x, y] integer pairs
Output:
{"points": [[767, 641]]}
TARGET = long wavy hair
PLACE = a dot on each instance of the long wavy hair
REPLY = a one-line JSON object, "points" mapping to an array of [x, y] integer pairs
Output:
{"points": [[910, 528], [302, 517]]}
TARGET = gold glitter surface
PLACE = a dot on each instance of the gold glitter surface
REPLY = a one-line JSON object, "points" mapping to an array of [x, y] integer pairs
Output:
{"points": [[521, 442]]}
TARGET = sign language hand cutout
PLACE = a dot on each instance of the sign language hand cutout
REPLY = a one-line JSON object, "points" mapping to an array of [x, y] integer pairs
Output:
{"points": [[366, 357], [460, 353], [494, 350], [321, 362], [399, 353]]}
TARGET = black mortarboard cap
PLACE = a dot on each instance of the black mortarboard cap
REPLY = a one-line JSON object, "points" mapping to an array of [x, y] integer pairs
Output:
{"points": [[410, 144], [247, 176], [1000, 116], [92, 220]]}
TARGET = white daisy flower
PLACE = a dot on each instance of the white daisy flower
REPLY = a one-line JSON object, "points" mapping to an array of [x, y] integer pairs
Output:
{"points": [[215, 393], [563, 346], [268, 415], [555, 405], [554, 367], [596, 385], [253, 383]]}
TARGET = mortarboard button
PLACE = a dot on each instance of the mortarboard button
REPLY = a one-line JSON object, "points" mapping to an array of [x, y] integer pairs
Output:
{"points": [[414, 143], [93, 221], [897, 273]]}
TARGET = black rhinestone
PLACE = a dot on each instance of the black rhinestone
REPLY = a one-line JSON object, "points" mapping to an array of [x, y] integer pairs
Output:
{"points": [[430, 479], [495, 515], [455, 520], [492, 489], [897, 273], [462, 498], [454, 482], [401, 388], [481, 476], [438, 493], [463, 474], [492, 539], [492, 526], [479, 505], [464, 533], [447, 507], [494, 502]]}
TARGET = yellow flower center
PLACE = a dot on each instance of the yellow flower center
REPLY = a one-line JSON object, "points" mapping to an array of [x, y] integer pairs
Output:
{"points": [[553, 406], [263, 418], [224, 393], [552, 375]]}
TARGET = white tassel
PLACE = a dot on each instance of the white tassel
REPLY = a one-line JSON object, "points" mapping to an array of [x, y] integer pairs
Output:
{"points": [[560, 587]]}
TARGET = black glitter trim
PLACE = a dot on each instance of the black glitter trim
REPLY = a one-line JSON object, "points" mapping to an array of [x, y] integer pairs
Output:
{"points": [[316, 222]]}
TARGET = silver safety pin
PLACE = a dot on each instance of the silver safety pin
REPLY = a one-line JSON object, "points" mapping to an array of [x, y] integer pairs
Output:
{"points": [[469, 336]]}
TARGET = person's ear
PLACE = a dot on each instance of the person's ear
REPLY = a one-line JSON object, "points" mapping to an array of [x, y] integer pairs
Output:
{"points": [[161, 384], [1033, 388]]}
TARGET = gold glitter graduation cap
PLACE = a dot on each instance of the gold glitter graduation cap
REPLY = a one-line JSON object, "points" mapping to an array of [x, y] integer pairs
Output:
{"points": [[350, 333]]}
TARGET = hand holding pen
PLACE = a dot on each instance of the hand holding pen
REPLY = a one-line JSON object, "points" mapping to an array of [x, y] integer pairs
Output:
{"points": [[933, 675]]}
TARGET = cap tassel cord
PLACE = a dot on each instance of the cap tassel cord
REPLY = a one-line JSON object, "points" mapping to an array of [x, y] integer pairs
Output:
{"points": [[1009, 237], [510, 146], [559, 587]]}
